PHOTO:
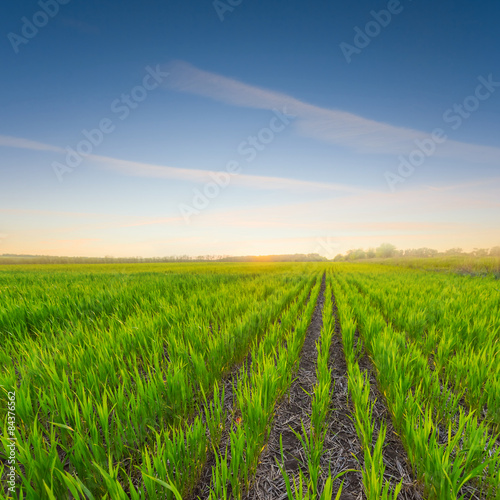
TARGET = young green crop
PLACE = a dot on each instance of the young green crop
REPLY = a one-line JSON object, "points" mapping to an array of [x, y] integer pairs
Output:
{"points": [[117, 372], [417, 399], [257, 392], [104, 364], [307, 485]]}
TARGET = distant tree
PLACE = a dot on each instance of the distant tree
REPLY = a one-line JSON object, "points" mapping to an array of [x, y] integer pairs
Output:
{"points": [[454, 251], [420, 252], [480, 252], [386, 250], [339, 258], [495, 252], [370, 253], [356, 254], [315, 257], [427, 252]]}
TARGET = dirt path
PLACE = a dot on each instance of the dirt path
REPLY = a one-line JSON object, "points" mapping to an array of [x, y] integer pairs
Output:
{"points": [[342, 449], [342, 446], [294, 409], [397, 466], [229, 382]]}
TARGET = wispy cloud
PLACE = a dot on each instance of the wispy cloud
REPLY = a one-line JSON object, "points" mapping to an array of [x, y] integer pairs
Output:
{"points": [[414, 211], [45, 213], [330, 125], [147, 170], [492, 181], [261, 182], [20, 143]]}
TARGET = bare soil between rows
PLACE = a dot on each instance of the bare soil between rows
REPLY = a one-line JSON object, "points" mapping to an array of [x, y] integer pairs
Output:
{"points": [[468, 491], [397, 465], [342, 448], [294, 409], [229, 382]]}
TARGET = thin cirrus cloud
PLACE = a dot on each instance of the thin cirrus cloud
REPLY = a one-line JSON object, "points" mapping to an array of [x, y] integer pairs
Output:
{"points": [[329, 125], [411, 211], [148, 170], [21, 143], [197, 175]]}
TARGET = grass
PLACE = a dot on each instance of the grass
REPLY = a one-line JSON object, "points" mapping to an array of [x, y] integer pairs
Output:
{"points": [[118, 374]]}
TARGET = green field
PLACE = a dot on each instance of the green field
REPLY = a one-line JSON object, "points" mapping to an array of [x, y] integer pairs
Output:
{"points": [[232, 380]]}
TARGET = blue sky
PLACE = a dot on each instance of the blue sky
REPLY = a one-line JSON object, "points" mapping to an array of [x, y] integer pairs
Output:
{"points": [[263, 127]]}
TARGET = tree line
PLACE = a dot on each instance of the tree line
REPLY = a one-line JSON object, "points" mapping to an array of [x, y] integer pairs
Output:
{"points": [[388, 251]]}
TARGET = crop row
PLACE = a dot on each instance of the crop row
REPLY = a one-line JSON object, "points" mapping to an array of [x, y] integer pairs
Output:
{"points": [[165, 384], [459, 329], [100, 397], [449, 449]]}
